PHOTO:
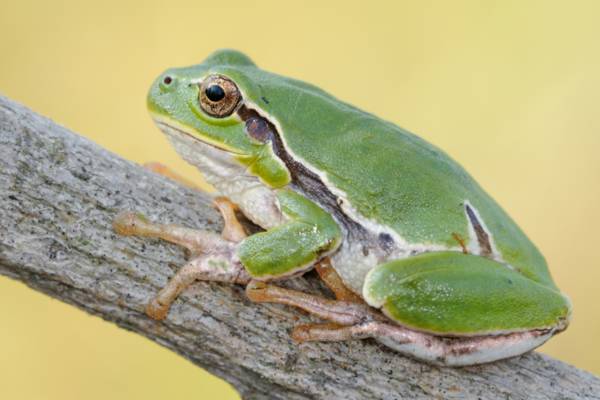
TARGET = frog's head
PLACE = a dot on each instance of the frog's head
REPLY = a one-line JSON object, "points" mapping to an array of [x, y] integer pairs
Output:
{"points": [[210, 107]]}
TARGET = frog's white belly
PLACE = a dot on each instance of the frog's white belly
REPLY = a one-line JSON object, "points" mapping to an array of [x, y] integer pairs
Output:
{"points": [[352, 265]]}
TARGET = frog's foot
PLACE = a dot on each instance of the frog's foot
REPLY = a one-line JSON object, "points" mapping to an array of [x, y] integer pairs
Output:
{"points": [[349, 319], [334, 282], [337, 311], [211, 267], [214, 258], [163, 170]]}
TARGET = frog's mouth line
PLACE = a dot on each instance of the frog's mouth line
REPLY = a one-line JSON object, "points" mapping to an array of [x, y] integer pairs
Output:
{"points": [[168, 128]]}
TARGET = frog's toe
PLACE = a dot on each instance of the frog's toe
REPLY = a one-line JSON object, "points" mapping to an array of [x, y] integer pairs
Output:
{"points": [[194, 240], [156, 310], [129, 223], [310, 332], [333, 332]]}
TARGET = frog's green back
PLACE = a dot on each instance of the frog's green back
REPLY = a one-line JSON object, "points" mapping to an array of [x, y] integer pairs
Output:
{"points": [[388, 174]]}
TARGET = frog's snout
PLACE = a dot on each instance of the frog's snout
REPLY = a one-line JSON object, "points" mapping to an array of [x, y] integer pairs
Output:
{"points": [[163, 92], [167, 82]]}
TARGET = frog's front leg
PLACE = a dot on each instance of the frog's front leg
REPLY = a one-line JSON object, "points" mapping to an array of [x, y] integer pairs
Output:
{"points": [[195, 241], [308, 233], [213, 257]]}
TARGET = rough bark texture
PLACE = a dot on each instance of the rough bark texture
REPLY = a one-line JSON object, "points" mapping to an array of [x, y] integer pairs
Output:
{"points": [[58, 196]]}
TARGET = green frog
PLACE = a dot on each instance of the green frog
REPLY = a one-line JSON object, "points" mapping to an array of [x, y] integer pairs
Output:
{"points": [[417, 254]]}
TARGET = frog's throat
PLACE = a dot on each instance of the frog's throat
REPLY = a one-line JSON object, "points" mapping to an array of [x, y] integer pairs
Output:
{"points": [[219, 166]]}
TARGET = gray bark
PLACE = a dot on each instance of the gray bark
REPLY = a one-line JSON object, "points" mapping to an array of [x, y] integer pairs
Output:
{"points": [[58, 195]]}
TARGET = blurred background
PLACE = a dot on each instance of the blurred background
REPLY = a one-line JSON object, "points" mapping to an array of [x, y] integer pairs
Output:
{"points": [[510, 89]]}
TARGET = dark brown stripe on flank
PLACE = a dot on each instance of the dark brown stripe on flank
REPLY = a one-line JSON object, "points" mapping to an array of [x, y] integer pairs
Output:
{"points": [[303, 179]]}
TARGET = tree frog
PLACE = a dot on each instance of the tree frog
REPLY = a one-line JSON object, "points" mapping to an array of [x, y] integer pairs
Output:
{"points": [[417, 254]]}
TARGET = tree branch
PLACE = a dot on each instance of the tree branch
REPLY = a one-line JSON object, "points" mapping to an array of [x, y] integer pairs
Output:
{"points": [[59, 194]]}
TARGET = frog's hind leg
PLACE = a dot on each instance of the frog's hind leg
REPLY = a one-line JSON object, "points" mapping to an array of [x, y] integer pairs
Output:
{"points": [[352, 321], [345, 312], [348, 320], [334, 332]]}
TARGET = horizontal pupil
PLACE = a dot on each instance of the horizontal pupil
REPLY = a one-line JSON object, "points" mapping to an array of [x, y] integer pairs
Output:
{"points": [[215, 93]]}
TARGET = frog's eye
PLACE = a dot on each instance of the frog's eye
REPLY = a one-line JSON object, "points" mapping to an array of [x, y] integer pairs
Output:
{"points": [[219, 96]]}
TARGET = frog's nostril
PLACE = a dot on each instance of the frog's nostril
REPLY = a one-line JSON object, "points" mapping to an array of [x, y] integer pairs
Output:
{"points": [[167, 80]]}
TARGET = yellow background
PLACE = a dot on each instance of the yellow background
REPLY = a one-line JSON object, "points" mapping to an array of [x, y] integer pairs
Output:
{"points": [[509, 89]]}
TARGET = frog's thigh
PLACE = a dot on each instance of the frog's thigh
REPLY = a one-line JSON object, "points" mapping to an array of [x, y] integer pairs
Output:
{"points": [[295, 245], [450, 292]]}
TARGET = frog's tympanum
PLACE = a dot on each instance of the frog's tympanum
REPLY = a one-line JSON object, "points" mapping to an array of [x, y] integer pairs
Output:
{"points": [[418, 255]]}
